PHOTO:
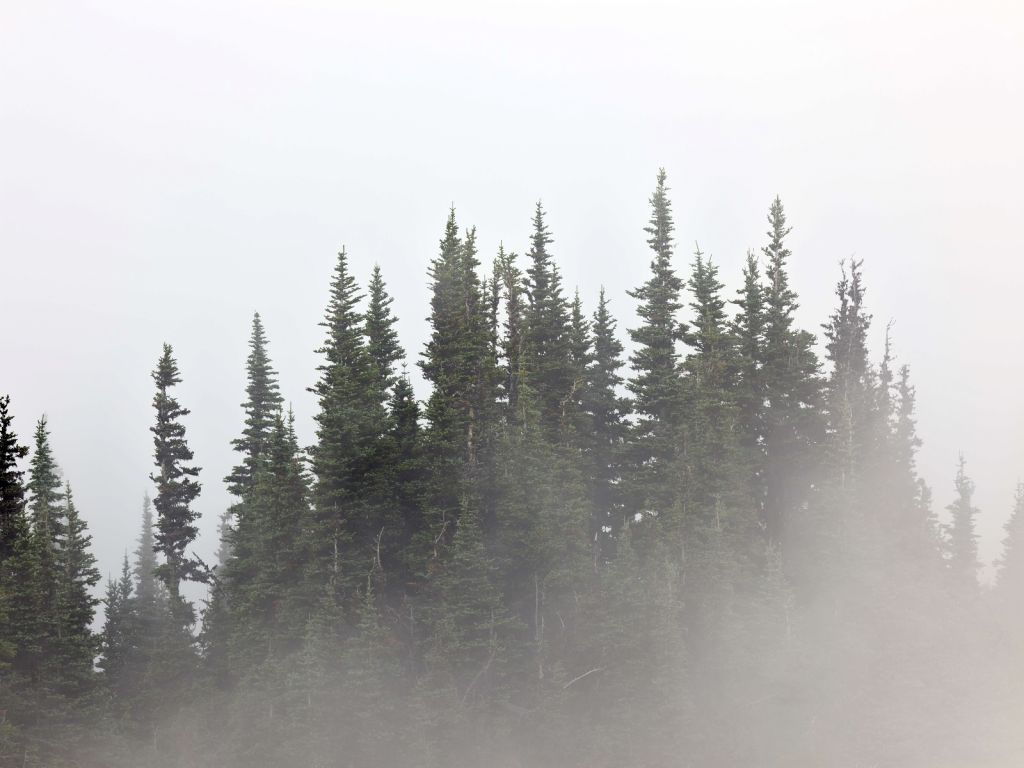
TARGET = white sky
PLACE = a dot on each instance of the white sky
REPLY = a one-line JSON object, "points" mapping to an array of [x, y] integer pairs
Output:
{"points": [[167, 168]]}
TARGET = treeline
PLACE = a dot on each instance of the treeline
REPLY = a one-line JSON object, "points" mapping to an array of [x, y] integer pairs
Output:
{"points": [[716, 551]]}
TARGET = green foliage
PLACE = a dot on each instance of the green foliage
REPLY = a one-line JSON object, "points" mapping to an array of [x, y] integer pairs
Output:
{"points": [[176, 487]]}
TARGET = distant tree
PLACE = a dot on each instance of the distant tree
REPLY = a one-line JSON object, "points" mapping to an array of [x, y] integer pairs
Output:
{"points": [[547, 341], [655, 387], [791, 386], [607, 430], [78, 645], [176, 488], [963, 541], [381, 337], [351, 421]]}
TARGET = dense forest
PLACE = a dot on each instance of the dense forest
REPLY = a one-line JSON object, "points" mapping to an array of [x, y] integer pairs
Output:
{"points": [[702, 541]]}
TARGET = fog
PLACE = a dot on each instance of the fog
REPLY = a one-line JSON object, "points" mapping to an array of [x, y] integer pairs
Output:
{"points": [[168, 169]]}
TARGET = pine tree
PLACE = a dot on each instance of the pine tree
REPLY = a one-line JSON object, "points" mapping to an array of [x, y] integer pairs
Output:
{"points": [[577, 424], [76, 604], [963, 541], [119, 628], [656, 387], [547, 340], [263, 401], [511, 343], [263, 581], [350, 424], [381, 336], [176, 488], [748, 330], [791, 385], [12, 490], [459, 364], [606, 411], [851, 389], [1010, 585], [47, 513]]}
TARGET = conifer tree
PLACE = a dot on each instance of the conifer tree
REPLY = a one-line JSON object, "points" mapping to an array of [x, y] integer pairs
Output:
{"points": [[791, 384], [748, 330], [12, 490], [1010, 586], [47, 512], [177, 488], [655, 386], [21, 633], [963, 541], [119, 628], [511, 343], [76, 604], [381, 337], [547, 338], [263, 401], [606, 412], [458, 362], [350, 423]]}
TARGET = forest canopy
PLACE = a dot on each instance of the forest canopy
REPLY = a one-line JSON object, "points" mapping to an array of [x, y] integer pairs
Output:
{"points": [[700, 541]]}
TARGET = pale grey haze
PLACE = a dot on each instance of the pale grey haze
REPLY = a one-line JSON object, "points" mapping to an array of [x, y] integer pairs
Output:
{"points": [[168, 168]]}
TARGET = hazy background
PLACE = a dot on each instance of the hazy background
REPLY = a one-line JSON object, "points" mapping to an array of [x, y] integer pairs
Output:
{"points": [[168, 168]]}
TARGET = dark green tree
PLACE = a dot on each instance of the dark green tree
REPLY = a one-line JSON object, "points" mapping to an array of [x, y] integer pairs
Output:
{"points": [[791, 386], [350, 424], [381, 337], [547, 338], [655, 387], [263, 401], [176, 488], [78, 646], [607, 430]]}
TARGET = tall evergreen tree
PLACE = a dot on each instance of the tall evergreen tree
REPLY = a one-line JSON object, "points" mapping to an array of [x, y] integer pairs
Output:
{"points": [[350, 423], [263, 401], [176, 486], [655, 386], [381, 337], [459, 364], [748, 330], [119, 628], [606, 412], [77, 605], [547, 339], [1010, 586], [12, 489], [963, 540], [791, 385]]}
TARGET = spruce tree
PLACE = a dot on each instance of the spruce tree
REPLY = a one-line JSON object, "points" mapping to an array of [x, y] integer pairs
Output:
{"points": [[655, 387], [748, 331], [511, 342], [547, 339], [791, 386], [350, 424], [176, 486], [1010, 584], [606, 412], [963, 541], [381, 337], [263, 401], [12, 490], [119, 628], [458, 362], [78, 645], [47, 515]]}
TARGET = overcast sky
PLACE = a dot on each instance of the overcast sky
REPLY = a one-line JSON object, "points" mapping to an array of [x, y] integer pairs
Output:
{"points": [[168, 168]]}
